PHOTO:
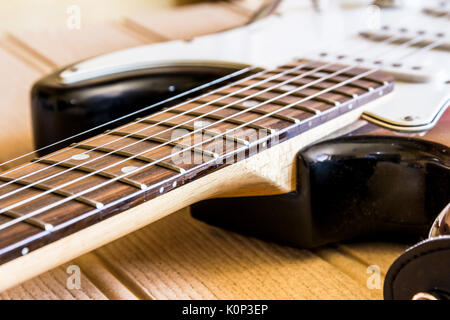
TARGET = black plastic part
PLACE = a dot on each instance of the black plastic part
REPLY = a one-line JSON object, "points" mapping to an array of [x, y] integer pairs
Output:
{"points": [[347, 188], [423, 268], [60, 111]]}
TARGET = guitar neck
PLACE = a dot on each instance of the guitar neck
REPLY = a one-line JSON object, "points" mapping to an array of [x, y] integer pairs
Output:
{"points": [[240, 140]]}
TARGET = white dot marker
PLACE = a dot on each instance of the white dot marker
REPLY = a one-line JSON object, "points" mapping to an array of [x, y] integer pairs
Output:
{"points": [[350, 106], [128, 169], [48, 227], [81, 156], [200, 124], [288, 87], [161, 190], [25, 251], [174, 184], [250, 103]]}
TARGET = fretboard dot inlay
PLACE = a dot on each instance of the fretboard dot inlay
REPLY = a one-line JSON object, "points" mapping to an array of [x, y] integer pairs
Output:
{"points": [[161, 190], [250, 103], [288, 87], [200, 124], [25, 251], [174, 184], [128, 169], [48, 227], [81, 156]]}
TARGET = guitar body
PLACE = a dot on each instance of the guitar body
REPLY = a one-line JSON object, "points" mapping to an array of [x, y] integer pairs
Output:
{"points": [[85, 99]]}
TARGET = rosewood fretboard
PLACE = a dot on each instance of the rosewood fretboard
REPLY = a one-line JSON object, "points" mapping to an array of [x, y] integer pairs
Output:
{"points": [[64, 210]]}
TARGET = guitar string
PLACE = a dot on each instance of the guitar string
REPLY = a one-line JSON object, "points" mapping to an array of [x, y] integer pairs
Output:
{"points": [[57, 203], [201, 87], [48, 207], [388, 40], [169, 129], [86, 215], [145, 118], [178, 96], [137, 112], [156, 124], [160, 132]]}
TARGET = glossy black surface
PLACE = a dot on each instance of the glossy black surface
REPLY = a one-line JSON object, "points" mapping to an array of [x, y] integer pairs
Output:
{"points": [[347, 188], [60, 111]]}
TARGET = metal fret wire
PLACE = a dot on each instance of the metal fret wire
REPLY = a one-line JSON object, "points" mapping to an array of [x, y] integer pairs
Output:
{"points": [[140, 168], [390, 39], [387, 40]]}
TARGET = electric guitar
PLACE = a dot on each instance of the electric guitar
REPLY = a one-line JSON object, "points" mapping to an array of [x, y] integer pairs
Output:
{"points": [[129, 137]]}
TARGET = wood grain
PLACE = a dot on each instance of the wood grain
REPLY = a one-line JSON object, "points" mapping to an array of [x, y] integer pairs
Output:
{"points": [[15, 136], [204, 18]]}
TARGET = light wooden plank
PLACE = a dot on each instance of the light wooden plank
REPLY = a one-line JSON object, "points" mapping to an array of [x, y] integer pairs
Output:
{"points": [[53, 285], [181, 258], [63, 46], [204, 18], [15, 122]]}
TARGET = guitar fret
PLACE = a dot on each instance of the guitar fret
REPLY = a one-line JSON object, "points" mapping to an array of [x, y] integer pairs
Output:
{"points": [[104, 174], [258, 111], [162, 140], [192, 128], [122, 153], [45, 187], [217, 117], [318, 98], [31, 221]]}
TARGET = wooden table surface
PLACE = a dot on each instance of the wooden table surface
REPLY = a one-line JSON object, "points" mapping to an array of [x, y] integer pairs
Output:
{"points": [[176, 257]]}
